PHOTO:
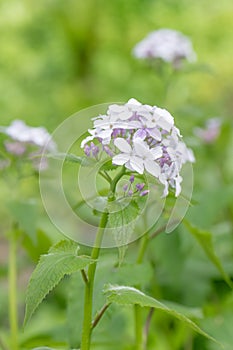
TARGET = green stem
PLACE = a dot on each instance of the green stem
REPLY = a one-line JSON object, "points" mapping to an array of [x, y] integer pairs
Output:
{"points": [[115, 181], [88, 302], [137, 309], [89, 284], [143, 245], [13, 314], [138, 327], [139, 336]]}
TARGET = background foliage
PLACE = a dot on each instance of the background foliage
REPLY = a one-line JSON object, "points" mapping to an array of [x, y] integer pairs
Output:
{"points": [[58, 57]]}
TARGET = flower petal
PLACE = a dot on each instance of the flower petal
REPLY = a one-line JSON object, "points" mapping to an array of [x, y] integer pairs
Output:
{"points": [[122, 145], [155, 133], [141, 148], [87, 139], [137, 164], [157, 152], [152, 167], [120, 159]]}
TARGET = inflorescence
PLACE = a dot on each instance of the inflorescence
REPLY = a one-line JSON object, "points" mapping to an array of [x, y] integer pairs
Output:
{"points": [[165, 44], [142, 138], [28, 141]]}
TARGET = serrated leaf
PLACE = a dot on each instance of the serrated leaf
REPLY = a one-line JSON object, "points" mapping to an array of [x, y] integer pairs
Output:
{"points": [[204, 238], [124, 295], [61, 260]]}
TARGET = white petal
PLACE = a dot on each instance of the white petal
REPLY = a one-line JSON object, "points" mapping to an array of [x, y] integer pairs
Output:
{"points": [[140, 148], [137, 164], [178, 181], [122, 145], [166, 120], [153, 168], [133, 101], [190, 155], [116, 108], [87, 139], [120, 159], [155, 133], [157, 152], [127, 125], [163, 180], [125, 115], [103, 134]]}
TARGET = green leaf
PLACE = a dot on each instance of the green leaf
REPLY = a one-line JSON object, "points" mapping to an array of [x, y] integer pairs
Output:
{"points": [[124, 295], [25, 214], [108, 166], [192, 312], [204, 238], [122, 220], [40, 246], [72, 158], [74, 308], [61, 260], [135, 274], [43, 348]]}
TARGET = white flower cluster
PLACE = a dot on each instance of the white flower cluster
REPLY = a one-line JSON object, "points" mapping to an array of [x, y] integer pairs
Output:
{"points": [[142, 138], [166, 44], [23, 133], [22, 137]]}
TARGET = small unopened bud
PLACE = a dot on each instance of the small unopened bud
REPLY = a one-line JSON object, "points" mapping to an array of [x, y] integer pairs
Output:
{"points": [[144, 193], [131, 179], [140, 187]]}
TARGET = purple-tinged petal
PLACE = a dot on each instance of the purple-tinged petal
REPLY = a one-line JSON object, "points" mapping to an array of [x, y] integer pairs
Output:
{"points": [[140, 134], [155, 133]]}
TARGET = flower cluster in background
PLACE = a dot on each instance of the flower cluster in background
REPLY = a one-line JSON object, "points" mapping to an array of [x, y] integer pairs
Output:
{"points": [[165, 44], [142, 138], [27, 141], [210, 132]]}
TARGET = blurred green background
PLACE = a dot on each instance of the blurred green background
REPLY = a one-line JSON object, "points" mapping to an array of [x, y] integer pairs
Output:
{"points": [[58, 57]]}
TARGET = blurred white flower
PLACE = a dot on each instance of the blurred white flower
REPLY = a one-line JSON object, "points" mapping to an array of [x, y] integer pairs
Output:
{"points": [[166, 44], [21, 132], [23, 136], [211, 131], [146, 141]]}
